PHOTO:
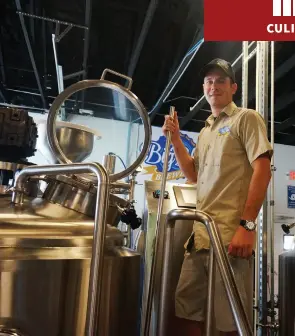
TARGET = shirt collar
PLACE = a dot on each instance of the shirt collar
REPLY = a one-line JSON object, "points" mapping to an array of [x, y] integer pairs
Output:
{"points": [[228, 110]]}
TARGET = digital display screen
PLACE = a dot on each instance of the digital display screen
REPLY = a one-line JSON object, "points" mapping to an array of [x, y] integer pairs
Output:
{"points": [[288, 242], [186, 197], [189, 195]]}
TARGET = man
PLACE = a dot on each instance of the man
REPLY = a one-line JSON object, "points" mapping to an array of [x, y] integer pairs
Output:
{"points": [[231, 167]]}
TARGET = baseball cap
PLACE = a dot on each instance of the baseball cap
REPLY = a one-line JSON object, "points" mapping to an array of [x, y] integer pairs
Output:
{"points": [[221, 64]]}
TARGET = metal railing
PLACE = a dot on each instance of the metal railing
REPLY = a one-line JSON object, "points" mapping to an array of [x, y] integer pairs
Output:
{"points": [[217, 252], [96, 268]]}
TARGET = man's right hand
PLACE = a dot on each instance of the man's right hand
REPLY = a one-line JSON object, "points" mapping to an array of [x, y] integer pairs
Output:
{"points": [[172, 125]]}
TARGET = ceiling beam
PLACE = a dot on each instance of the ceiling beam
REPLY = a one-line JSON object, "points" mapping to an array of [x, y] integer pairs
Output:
{"points": [[88, 11], [2, 68], [285, 124], [29, 47], [2, 96], [284, 101], [177, 75], [143, 34]]}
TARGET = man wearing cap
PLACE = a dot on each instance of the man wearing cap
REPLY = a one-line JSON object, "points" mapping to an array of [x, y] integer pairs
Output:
{"points": [[231, 167]]}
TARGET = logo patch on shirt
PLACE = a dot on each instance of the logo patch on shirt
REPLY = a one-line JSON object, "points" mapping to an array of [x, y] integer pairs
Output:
{"points": [[224, 130]]}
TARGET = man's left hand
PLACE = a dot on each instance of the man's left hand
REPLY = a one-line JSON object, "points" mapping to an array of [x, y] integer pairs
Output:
{"points": [[242, 243]]}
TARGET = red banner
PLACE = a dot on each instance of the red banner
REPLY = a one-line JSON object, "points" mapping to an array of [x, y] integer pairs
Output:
{"points": [[252, 20]]}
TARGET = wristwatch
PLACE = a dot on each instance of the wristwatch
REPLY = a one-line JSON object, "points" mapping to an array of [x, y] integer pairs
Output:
{"points": [[248, 225]]}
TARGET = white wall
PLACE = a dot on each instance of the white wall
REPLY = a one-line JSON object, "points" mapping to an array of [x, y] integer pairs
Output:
{"points": [[284, 161]]}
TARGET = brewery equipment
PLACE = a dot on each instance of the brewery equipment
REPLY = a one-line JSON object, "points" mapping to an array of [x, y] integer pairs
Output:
{"points": [[76, 141], [63, 268], [287, 293], [177, 196]]}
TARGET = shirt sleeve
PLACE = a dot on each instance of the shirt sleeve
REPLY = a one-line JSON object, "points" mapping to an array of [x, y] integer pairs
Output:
{"points": [[253, 135]]}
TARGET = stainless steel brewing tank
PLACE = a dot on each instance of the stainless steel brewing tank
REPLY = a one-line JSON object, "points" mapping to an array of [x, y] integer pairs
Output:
{"points": [[287, 293], [177, 196], [44, 281]]}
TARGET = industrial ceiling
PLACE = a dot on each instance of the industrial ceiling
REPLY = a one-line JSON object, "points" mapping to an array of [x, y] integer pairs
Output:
{"points": [[152, 41]]}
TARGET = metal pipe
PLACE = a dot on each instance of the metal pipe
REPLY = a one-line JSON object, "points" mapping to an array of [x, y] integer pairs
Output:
{"points": [[151, 288], [109, 162], [50, 20], [120, 185], [209, 325], [59, 74], [257, 262], [96, 270], [175, 78], [256, 288], [245, 74], [140, 42], [88, 12], [63, 34], [2, 67], [272, 182], [264, 110], [74, 74], [225, 269], [35, 227], [28, 43]]}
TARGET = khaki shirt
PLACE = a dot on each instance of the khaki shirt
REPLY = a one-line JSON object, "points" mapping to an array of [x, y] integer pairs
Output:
{"points": [[224, 153]]}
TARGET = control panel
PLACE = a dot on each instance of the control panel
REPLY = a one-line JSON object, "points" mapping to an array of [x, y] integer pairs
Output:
{"points": [[157, 193]]}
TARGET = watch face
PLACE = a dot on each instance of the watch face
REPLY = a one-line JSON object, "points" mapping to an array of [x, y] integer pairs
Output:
{"points": [[251, 225]]}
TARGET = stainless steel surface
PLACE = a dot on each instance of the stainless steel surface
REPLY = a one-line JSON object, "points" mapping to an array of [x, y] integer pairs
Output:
{"points": [[49, 297], [51, 130], [182, 232], [13, 166], [109, 162], [76, 141], [80, 195], [210, 317], [128, 79], [226, 272], [116, 207], [262, 229], [287, 293], [148, 310], [72, 196], [44, 272], [120, 185], [245, 74], [272, 184], [99, 225]]}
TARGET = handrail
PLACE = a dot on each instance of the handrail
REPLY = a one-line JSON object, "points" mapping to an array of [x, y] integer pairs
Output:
{"points": [[96, 268], [241, 319]]}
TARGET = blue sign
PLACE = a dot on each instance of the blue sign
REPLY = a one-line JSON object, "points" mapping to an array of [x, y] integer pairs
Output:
{"points": [[291, 196], [156, 153]]}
